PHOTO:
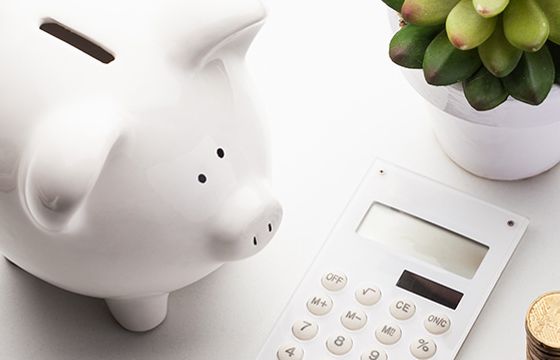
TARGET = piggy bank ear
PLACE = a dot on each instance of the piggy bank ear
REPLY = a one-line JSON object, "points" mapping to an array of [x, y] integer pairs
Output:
{"points": [[67, 154]]}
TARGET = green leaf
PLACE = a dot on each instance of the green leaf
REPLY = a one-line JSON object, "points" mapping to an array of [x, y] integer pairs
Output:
{"points": [[526, 25], [490, 8], [552, 10], [466, 28], [555, 52], [532, 79], [409, 45], [394, 4], [498, 55], [484, 91], [427, 12], [444, 64]]}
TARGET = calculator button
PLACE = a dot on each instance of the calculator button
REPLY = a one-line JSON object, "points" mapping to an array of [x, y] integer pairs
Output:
{"points": [[388, 334], [374, 354], [437, 324], [334, 281], [340, 344], [290, 352], [403, 310], [368, 296], [305, 330], [354, 319], [423, 348], [320, 305]]}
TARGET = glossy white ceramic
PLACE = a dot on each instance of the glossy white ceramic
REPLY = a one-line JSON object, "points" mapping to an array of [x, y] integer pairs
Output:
{"points": [[514, 141], [131, 179]]}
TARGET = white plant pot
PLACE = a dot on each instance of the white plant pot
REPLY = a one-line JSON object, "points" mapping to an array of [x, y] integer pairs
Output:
{"points": [[514, 141]]}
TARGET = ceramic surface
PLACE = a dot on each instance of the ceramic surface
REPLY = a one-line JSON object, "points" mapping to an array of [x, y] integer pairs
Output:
{"points": [[512, 142], [130, 179]]}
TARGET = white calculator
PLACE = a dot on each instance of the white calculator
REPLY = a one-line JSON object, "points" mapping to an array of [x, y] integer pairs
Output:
{"points": [[404, 274]]}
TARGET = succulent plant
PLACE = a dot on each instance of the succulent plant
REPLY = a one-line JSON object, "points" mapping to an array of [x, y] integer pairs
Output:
{"points": [[496, 48]]}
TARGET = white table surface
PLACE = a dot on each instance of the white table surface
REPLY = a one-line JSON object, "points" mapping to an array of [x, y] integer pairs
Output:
{"points": [[334, 102]]}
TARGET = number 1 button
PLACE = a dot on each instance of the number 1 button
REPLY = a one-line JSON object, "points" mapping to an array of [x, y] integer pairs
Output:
{"points": [[290, 352]]}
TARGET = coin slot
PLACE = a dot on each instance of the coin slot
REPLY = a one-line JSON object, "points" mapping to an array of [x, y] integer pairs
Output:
{"points": [[80, 42]]}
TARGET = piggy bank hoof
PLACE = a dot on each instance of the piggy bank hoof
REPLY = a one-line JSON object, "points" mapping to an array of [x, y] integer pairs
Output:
{"points": [[141, 313]]}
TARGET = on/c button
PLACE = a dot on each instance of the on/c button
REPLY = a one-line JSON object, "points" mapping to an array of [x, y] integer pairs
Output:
{"points": [[437, 324]]}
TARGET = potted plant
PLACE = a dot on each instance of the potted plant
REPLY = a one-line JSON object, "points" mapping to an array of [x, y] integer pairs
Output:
{"points": [[490, 67]]}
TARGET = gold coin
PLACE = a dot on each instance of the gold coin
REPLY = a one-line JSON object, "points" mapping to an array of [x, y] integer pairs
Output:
{"points": [[543, 321]]}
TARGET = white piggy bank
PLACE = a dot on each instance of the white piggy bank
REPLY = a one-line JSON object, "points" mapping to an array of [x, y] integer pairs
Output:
{"points": [[132, 161]]}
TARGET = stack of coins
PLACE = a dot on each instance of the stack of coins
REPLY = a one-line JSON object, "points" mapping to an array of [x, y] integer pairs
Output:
{"points": [[543, 328]]}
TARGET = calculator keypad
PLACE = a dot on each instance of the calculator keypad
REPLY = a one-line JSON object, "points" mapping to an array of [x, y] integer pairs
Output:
{"points": [[386, 332]]}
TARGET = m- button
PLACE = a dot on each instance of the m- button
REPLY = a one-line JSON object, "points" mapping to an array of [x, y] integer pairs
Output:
{"points": [[403, 310], [334, 281]]}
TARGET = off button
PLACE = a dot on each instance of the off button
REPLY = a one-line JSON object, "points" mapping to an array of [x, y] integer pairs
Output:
{"points": [[334, 281]]}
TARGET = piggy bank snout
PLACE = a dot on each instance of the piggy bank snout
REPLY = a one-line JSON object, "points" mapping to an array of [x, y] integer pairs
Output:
{"points": [[246, 225]]}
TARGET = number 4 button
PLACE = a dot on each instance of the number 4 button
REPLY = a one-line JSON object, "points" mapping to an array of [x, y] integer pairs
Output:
{"points": [[290, 352]]}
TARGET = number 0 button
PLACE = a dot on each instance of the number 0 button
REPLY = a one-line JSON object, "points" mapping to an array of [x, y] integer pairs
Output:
{"points": [[340, 344], [423, 348], [290, 352], [305, 330]]}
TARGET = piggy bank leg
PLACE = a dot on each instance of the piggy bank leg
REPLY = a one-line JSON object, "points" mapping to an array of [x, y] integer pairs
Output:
{"points": [[141, 313]]}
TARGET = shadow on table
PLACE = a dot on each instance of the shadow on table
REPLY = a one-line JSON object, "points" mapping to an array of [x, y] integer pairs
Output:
{"points": [[43, 322]]}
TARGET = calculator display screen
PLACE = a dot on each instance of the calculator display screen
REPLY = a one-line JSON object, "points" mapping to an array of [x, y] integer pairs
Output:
{"points": [[410, 235]]}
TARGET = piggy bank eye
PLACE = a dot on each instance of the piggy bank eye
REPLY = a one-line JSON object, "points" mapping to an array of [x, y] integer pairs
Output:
{"points": [[221, 153], [202, 178]]}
